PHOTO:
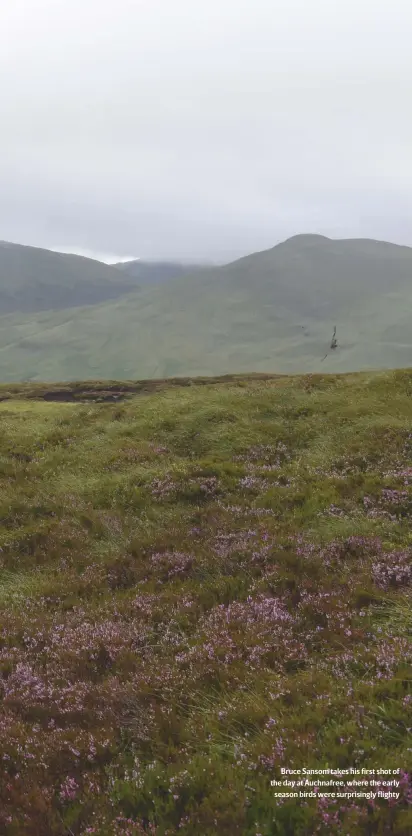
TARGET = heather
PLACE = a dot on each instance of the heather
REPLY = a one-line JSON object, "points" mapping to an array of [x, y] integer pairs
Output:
{"points": [[198, 586]]}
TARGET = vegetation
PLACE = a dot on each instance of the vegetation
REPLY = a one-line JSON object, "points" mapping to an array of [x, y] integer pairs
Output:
{"points": [[271, 311], [199, 585]]}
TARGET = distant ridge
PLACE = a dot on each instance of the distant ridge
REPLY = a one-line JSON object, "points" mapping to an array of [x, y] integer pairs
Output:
{"points": [[304, 239], [273, 311], [157, 272]]}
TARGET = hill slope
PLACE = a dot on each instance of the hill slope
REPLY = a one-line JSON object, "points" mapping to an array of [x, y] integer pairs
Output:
{"points": [[272, 311], [199, 587], [34, 279]]}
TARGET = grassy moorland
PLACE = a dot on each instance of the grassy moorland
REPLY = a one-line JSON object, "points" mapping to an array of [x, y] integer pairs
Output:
{"points": [[199, 585]]}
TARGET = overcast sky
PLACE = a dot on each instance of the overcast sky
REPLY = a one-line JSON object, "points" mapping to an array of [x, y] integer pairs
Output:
{"points": [[203, 128]]}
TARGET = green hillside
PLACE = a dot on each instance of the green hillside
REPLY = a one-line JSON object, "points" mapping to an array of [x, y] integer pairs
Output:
{"points": [[269, 312], [201, 585], [33, 279]]}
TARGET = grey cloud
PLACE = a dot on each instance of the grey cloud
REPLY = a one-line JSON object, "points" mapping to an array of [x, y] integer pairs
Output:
{"points": [[177, 128]]}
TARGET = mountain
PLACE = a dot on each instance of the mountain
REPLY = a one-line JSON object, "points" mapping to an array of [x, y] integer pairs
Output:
{"points": [[34, 279], [156, 272], [273, 311]]}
